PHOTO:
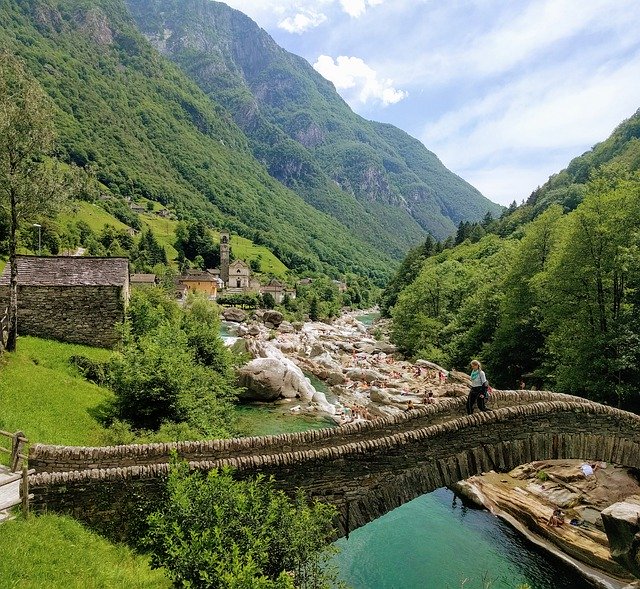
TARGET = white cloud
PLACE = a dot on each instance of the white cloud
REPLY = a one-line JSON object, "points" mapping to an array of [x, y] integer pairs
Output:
{"points": [[533, 126], [302, 22], [360, 81], [356, 8]]}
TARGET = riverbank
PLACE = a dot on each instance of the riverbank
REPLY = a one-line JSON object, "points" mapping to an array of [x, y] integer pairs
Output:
{"points": [[527, 500]]}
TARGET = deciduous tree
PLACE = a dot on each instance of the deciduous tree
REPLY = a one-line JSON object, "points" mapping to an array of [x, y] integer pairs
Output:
{"points": [[30, 183]]}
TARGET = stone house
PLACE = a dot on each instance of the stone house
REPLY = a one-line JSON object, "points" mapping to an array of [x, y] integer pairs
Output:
{"points": [[142, 280], [278, 290], [72, 299]]}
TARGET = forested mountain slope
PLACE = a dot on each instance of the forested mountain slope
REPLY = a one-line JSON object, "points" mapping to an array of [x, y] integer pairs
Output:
{"points": [[365, 174], [555, 301], [149, 131], [567, 188]]}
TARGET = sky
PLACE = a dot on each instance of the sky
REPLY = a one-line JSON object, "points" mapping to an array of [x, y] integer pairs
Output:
{"points": [[505, 93]]}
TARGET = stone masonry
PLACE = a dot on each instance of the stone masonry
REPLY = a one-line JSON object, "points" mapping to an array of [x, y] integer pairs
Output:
{"points": [[365, 470], [72, 299]]}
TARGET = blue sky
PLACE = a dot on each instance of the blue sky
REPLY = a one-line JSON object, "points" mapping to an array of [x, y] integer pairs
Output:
{"points": [[505, 93]]}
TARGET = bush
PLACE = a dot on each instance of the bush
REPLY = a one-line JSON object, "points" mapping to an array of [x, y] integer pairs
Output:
{"points": [[92, 370], [219, 533]]}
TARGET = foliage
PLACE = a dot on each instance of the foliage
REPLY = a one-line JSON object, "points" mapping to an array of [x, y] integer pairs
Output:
{"points": [[555, 304], [43, 551], [216, 532], [173, 367], [30, 184]]}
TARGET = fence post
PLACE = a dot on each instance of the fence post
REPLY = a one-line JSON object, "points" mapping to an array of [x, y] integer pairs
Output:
{"points": [[25, 490], [17, 443]]}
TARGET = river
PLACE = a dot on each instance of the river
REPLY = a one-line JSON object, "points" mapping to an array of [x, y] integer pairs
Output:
{"points": [[432, 542]]}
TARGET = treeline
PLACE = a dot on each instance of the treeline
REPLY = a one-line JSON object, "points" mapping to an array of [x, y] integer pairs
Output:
{"points": [[555, 303]]}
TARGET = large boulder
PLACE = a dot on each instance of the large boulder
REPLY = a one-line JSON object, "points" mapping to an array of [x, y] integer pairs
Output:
{"points": [[267, 379], [622, 525], [272, 319], [459, 377], [384, 348], [364, 374], [433, 366], [234, 314]]}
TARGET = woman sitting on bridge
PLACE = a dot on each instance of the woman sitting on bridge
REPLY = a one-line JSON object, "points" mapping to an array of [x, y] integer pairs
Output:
{"points": [[479, 387]]}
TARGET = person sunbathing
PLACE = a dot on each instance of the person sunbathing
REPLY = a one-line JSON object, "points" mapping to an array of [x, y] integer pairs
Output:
{"points": [[556, 519]]}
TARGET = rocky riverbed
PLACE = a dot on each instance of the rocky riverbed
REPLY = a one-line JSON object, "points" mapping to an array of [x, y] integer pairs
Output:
{"points": [[368, 379]]}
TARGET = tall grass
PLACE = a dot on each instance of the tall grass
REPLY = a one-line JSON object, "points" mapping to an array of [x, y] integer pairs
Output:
{"points": [[59, 553], [45, 397]]}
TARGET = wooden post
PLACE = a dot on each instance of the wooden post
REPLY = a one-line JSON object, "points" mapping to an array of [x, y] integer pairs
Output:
{"points": [[24, 489], [17, 443]]}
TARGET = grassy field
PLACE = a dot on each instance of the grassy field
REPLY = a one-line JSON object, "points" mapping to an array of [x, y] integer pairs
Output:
{"points": [[164, 230], [59, 553], [45, 397], [93, 215]]}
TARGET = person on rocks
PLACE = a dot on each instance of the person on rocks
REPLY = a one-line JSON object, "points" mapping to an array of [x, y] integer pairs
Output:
{"points": [[479, 387], [556, 519], [429, 399]]}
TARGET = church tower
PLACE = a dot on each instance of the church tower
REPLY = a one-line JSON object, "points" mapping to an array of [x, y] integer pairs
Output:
{"points": [[224, 256]]}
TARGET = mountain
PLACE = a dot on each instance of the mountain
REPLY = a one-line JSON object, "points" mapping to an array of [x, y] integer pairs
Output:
{"points": [[621, 148], [365, 174], [149, 131]]}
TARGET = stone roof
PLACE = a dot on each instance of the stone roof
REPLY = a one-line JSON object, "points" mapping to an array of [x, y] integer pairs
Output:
{"points": [[197, 276], [143, 278], [68, 271]]}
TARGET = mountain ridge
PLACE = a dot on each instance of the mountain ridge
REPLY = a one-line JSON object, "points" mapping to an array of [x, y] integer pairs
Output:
{"points": [[303, 131]]}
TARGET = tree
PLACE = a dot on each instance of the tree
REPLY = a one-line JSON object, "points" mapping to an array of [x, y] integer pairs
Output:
{"points": [[219, 533], [30, 183]]}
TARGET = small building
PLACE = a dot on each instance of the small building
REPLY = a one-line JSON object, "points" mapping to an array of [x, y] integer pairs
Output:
{"points": [[142, 280], [239, 275], [70, 298], [200, 281], [277, 290], [136, 208]]}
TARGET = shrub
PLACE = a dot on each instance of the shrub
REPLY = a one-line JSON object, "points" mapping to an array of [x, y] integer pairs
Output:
{"points": [[219, 533]]}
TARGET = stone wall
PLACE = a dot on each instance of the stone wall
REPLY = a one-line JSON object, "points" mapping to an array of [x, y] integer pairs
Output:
{"points": [[368, 477], [44, 458], [77, 314]]}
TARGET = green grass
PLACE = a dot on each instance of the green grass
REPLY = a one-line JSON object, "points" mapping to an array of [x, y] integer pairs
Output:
{"points": [[59, 553], [165, 232], [93, 215], [245, 249], [43, 396]]}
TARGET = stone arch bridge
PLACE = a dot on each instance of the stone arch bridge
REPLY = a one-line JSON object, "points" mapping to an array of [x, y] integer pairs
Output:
{"points": [[364, 469]]}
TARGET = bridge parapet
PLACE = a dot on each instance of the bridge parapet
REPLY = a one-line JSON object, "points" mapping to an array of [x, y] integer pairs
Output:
{"points": [[47, 458], [365, 478]]}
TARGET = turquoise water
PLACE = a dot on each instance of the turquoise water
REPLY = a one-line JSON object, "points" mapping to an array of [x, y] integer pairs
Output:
{"points": [[264, 420], [368, 318], [434, 543]]}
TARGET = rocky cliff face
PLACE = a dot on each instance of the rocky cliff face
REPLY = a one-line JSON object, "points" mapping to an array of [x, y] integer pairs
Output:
{"points": [[286, 107]]}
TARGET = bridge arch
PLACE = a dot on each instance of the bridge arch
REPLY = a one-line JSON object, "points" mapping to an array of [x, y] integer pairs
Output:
{"points": [[368, 471]]}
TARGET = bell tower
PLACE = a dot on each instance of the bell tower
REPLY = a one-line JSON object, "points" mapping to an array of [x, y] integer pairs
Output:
{"points": [[224, 256]]}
